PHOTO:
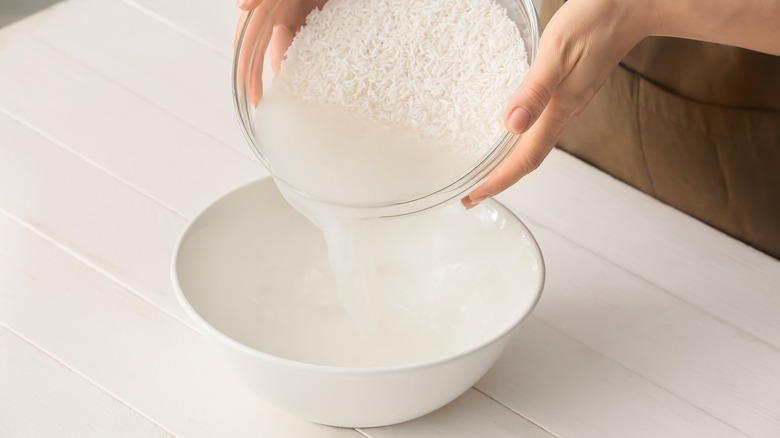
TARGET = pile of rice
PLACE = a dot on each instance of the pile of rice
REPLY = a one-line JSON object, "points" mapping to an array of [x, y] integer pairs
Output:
{"points": [[443, 68]]}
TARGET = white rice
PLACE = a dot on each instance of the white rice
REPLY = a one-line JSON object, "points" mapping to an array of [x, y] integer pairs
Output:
{"points": [[443, 68]]}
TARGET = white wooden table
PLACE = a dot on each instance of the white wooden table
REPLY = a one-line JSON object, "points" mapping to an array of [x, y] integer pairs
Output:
{"points": [[116, 128]]}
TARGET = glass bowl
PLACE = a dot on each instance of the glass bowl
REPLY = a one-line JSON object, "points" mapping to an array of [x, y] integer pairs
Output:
{"points": [[249, 63]]}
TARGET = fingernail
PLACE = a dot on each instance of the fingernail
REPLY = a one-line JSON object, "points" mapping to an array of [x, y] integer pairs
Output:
{"points": [[240, 3], [518, 120], [473, 202]]}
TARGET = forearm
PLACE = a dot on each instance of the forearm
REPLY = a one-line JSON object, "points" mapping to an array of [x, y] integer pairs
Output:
{"points": [[752, 24]]}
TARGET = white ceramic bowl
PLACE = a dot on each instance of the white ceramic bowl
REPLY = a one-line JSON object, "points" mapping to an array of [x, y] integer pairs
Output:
{"points": [[217, 265]]}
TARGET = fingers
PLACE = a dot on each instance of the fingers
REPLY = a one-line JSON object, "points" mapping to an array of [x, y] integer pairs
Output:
{"points": [[250, 63], [243, 57], [239, 26], [536, 110], [253, 46], [256, 67], [248, 5], [534, 146], [281, 39], [533, 95], [289, 22]]}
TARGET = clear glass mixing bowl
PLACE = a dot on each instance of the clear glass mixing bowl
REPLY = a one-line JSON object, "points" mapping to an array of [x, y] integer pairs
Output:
{"points": [[249, 62]]}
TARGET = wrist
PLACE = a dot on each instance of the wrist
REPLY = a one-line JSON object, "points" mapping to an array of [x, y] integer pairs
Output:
{"points": [[673, 18], [635, 19], [655, 11], [640, 18], [749, 24]]}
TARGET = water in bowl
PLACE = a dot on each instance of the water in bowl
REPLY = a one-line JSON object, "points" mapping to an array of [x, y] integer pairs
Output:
{"points": [[445, 282]]}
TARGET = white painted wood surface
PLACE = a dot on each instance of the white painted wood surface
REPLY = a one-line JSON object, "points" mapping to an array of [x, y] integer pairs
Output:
{"points": [[42, 397], [116, 129]]}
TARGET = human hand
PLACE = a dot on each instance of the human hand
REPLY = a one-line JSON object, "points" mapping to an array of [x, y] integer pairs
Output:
{"points": [[273, 25], [582, 44]]}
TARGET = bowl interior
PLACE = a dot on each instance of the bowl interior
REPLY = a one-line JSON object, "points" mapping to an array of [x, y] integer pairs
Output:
{"points": [[255, 273]]}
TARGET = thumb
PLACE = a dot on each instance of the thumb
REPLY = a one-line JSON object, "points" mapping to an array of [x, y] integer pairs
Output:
{"points": [[527, 106], [534, 93]]}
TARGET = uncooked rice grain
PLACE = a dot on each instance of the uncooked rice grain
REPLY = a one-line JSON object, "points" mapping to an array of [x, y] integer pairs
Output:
{"points": [[442, 68]]}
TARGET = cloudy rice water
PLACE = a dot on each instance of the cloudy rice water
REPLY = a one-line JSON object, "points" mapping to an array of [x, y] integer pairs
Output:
{"points": [[383, 101], [387, 100]]}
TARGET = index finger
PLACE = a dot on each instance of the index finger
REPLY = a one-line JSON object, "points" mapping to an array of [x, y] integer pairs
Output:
{"points": [[533, 148]]}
